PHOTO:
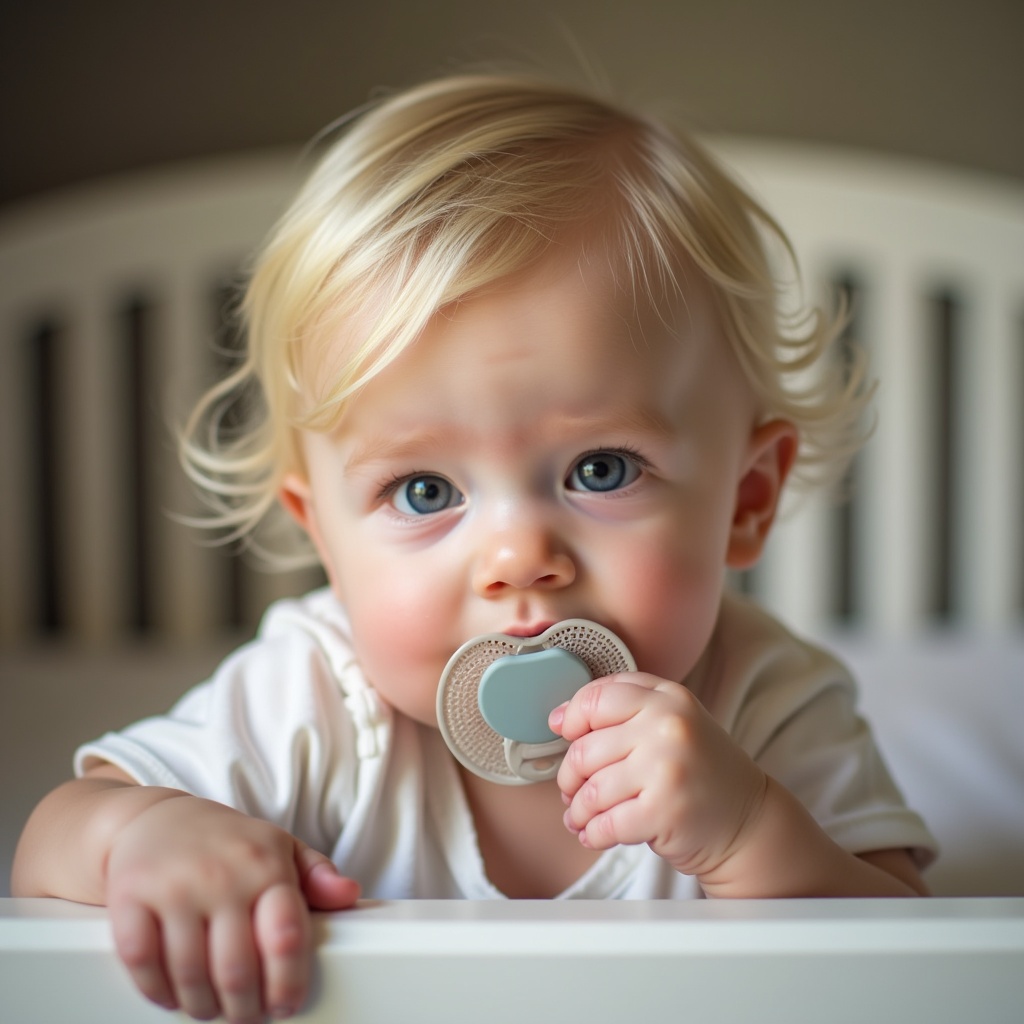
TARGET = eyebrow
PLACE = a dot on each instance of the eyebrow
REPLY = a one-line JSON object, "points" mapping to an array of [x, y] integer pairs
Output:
{"points": [[643, 421], [389, 448]]}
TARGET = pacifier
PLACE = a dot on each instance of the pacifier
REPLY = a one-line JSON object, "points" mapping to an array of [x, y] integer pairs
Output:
{"points": [[497, 691]]}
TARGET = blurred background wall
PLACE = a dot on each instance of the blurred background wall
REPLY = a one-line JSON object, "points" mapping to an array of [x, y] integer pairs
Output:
{"points": [[113, 85]]}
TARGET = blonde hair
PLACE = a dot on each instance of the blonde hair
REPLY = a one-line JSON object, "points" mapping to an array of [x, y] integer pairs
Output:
{"points": [[455, 184]]}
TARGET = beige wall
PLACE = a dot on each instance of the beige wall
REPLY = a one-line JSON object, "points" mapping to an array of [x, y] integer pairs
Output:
{"points": [[90, 88]]}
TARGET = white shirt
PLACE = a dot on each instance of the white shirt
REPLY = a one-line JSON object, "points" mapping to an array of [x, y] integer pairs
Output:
{"points": [[288, 729]]}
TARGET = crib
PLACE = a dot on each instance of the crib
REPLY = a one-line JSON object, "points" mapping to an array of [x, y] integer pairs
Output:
{"points": [[112, 316], [795, 962]]}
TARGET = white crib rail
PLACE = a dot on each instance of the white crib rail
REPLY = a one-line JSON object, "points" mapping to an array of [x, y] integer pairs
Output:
{"points": [[71, 266], [797, 962]]}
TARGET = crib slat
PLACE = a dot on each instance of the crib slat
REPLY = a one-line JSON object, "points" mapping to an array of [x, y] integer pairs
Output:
{"points": [[897, 475], [190, 579], [92, 519], [989, 553], [794, 578]]}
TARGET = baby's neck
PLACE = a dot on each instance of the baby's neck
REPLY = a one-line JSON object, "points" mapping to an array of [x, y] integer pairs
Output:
{"points": [[527, 852]]}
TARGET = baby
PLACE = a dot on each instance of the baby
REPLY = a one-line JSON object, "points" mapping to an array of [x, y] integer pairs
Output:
{"points": [[514, 356]]}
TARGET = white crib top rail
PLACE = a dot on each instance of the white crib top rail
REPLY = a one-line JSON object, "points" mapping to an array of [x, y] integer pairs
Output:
{"points": [[791, 962]]}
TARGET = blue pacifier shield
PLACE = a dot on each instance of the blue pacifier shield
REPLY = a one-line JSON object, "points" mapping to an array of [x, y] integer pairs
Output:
{"points": [[517, 693]]}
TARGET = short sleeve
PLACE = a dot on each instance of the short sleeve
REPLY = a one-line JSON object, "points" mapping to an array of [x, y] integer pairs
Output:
{"points": [[826, 755], [793, 708], [268, 734]]}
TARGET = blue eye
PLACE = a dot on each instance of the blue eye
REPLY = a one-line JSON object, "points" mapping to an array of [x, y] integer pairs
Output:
{"points": [[603, 471], [424, 495]]}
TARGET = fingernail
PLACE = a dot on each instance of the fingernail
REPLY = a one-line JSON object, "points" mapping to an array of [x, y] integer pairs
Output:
{"points": [[281, 1012], [556, 718], [324, 865]]}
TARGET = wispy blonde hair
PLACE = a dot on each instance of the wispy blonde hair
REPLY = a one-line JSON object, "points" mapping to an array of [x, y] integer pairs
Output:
{"points": [[450, 186]]}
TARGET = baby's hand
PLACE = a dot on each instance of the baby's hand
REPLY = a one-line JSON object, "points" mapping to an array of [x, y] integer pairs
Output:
{"points": [[210, 909], [648, 764]]}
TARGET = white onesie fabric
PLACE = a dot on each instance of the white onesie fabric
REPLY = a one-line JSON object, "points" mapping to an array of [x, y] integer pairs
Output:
{"points": [[288, 729]]}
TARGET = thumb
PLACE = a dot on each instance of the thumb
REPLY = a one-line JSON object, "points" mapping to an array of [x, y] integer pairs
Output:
{"points": [[321, 883]]}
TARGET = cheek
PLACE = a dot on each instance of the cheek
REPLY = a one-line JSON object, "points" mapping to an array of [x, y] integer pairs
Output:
{"points": [[668, 604], [398, 624], [394, 632]]}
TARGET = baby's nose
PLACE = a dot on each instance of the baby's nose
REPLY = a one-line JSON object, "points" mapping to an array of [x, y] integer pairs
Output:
{"points": [[522, 556]]}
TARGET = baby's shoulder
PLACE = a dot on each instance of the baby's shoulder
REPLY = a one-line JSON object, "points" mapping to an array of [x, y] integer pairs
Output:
{"points": [[754, 662], [304, 640], [316, 610], [760, 642], [314, 619]]}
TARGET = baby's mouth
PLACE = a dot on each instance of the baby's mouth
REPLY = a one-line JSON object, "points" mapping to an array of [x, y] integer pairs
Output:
{"points": [[531, 630]]}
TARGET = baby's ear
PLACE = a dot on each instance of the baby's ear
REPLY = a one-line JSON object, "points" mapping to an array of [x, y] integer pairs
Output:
{"points": [[297, 498], [294, 495], [770, 457]]}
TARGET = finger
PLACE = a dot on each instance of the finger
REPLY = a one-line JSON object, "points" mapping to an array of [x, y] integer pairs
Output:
{"points": [[284, 942], [323, 886], [625, 823], [234, 965], [138, 943], [590, 754], [603, 702], [326, 889], [600, 793], [186, 959]]}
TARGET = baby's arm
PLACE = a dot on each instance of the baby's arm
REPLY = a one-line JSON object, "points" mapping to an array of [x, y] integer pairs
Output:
{"points": [[208, 905], [648, 764]]}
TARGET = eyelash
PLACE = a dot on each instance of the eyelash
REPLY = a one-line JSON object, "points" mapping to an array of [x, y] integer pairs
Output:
{"points": [[625, 451], [387, 490]]}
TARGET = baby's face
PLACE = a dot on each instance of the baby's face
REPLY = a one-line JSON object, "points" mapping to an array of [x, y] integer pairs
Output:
{"points": [[552, 448]]}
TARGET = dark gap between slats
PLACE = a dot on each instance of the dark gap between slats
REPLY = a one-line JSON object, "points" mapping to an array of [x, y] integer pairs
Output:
{"points": [[136, 320], [847, 560], [44, 343], [944, 427]]}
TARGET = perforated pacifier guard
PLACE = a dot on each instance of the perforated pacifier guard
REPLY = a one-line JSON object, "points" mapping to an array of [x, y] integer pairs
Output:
{"points": [[545, 683]]}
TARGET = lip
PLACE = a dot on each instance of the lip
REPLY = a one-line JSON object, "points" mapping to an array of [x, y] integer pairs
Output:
{"points": [[531, 630]]}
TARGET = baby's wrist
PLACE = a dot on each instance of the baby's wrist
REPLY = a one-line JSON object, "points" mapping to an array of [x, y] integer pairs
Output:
{"points": [[728, 874], [780, 852], [123, 805]]}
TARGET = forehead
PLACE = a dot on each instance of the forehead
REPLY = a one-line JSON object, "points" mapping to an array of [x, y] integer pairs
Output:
{"points": [[583, 300], [571, 340]]}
